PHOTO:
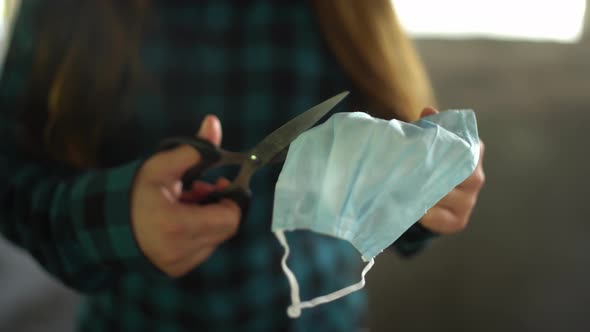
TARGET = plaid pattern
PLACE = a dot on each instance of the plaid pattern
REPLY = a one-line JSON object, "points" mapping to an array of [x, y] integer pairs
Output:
{"points": [[255, 64]]}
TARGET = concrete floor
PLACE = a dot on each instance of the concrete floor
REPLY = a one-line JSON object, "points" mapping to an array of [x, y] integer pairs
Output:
{"points": [[522, 265]]}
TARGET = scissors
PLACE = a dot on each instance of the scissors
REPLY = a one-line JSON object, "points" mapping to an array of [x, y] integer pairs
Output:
{"points": [[272, 149]]}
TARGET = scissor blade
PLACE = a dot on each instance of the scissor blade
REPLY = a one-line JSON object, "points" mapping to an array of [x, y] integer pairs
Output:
{"points": [[279, 139], [279, 157]]}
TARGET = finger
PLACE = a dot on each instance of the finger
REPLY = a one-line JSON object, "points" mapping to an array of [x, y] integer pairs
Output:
{"points": [[442, 221], [198, 258], [201, 189], [210, 236], [211, 130], [180, 243], [222, 231], [459, 202], [482, 148], [200, 185], [198, 192], [215, 237], [201, 256], [222, 183], [428, 111], [475, 181], [190, 262], [217, 217], [170, 191], [169, 166]]}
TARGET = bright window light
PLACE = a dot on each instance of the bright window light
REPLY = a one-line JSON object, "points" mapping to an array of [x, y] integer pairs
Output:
{"points": [[2, 17], [541, 20]]}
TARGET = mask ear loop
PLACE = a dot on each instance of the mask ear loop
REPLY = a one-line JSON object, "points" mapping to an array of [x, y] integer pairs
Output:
{"points": [[294, 309]]}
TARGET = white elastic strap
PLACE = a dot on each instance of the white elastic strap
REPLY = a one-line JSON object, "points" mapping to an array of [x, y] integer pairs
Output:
{"points": [[294, 309]]}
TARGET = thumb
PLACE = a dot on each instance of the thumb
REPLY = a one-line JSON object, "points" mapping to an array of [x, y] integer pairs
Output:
{"points": [[172, 164], [211, 130]]}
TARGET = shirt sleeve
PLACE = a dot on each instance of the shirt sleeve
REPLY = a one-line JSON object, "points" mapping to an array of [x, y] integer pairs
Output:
{"points": [[75, 224]]}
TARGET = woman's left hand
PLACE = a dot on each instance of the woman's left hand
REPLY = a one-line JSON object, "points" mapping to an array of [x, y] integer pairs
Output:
{"points": [[451, 214]]}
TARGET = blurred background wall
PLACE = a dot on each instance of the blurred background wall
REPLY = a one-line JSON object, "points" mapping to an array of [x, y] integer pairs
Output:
{"points": [[523, 264]]}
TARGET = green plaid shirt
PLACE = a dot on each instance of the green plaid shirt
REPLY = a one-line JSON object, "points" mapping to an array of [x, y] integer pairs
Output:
{"points": [[255, 64]]}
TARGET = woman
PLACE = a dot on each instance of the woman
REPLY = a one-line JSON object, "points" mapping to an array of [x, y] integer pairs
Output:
{"points": [[90, 88]]}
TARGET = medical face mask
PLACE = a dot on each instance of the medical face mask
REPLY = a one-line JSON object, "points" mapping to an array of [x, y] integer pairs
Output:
{"points": [[367, 180]]}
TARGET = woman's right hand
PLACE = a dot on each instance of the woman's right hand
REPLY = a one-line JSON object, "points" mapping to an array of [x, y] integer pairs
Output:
{"points": [[174, 235]]}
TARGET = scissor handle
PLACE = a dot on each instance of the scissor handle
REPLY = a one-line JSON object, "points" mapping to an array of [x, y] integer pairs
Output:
{"points": [[234, 192], [209, 155]]}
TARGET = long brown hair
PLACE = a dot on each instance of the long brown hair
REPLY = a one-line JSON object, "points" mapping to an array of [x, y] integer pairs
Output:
{"points": [[370, 44], [78, 81], [77, 77]]}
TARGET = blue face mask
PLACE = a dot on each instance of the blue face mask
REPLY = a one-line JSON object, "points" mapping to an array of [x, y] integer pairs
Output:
{"points": [[367, 180]]}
